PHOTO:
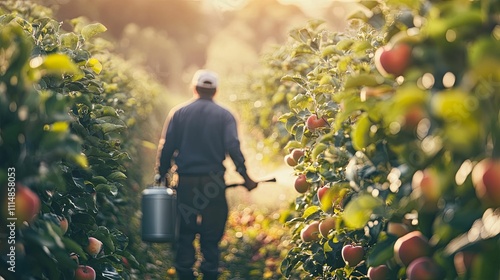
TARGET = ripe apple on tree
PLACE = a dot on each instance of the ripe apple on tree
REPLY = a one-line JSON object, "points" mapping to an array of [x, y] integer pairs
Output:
{"points": [[310, 232], [322, 191], [94, 246], [326, 225], [84, 272], [64, 224], [27, 204], [380, 272], [412, 117], [331, 195], [430, 184], [393, 59], [314, 122], [292, 159], [486, 181], [411, 246], [352, 254], [424, 268], [301, 185]]}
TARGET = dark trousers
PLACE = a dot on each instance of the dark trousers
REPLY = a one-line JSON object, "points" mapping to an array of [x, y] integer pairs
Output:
{"points": [[203, 210]]}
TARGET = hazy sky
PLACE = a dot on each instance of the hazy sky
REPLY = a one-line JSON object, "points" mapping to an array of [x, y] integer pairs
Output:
{"points": [[311, 7]]}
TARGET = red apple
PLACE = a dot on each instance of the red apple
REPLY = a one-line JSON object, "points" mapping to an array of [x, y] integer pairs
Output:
{"points": [[84, 272], [429, 183], [297, 154], [411, 246], [301, 184], [64, 224], [125, 262], [486, 181], [423, 268], [327, 225], [290, 161], [352, 254], [321, 192], [313, 122], [94, 246], [412, 118], [27, 204], [393, 59], [310, 232], [380, 272]]}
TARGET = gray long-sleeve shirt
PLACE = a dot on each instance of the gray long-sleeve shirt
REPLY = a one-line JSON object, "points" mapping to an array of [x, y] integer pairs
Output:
{"points": [[197, 137]]}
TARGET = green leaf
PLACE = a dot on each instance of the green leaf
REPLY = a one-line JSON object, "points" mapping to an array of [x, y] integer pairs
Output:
{"points": [[361, 132], [95, 65], [57, 64], [69, 40], [92, 30], [301, 50], [102, 233], [116, 176], [107, 188], [296, 79], [382, 251], [109, 127], [310, 211], [327, 248], [73, 247], [362, 80], [359, 210]]}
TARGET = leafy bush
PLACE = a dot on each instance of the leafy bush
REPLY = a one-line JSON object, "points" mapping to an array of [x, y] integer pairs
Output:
{"points": [[69, 108], [404, 127]]}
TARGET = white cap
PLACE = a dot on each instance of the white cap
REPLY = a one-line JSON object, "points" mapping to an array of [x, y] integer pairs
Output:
{"points": [[205, 79]]}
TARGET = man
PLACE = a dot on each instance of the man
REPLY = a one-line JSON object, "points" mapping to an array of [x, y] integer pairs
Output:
{"points": [[196, 138]]}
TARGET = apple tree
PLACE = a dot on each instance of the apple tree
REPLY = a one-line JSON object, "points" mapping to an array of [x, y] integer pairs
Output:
{"points": [[68, 107], [397, 125]]}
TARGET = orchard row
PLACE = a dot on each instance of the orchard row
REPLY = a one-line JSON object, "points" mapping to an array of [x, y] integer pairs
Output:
{"points": [[392, 133]]}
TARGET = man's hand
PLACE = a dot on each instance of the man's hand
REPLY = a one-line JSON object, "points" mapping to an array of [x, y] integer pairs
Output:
{"points": [[250, 184], [157, 179]]}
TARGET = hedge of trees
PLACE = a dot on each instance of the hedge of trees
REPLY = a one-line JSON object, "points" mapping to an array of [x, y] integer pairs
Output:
{"points": [[72, 138], [391, 129]]}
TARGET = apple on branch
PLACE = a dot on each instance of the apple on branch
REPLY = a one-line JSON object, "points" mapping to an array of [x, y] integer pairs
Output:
{"points": [[327, 225], [94, 246], [314, 122], [27, 204], [429, 184], [393, 59], [293, 158], [486, 181], [64, 224], [84, 272], [424, 268], [352, 254], [310, 232], [301, 185], [380, 272], [411, 246]]}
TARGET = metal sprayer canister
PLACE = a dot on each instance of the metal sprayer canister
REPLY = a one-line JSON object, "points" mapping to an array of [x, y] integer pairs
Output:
{"points": [[159, 212]]}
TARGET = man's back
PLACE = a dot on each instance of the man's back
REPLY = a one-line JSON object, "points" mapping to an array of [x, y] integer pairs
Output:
{"points": [[200, 136]]}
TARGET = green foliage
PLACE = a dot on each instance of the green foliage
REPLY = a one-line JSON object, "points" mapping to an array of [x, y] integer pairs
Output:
{"points": [[68, 109], [440, 116]]}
